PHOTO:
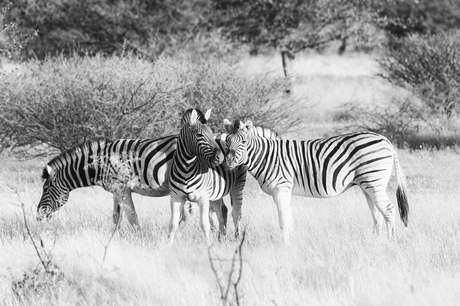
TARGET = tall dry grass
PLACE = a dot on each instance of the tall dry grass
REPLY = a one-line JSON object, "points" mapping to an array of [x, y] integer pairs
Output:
{"points": [[333, 259]]}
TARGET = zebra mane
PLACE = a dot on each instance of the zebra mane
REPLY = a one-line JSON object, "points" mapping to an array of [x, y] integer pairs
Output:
{"points": [[72, 152], [264, 132], [257, 130], [45, 174]]}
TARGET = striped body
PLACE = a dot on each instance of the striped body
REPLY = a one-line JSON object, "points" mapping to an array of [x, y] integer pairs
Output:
{"points": [[322, 168], [196, 176], [121, 167], [319, 168]]}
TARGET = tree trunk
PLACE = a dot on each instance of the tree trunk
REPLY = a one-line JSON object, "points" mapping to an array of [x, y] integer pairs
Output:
{"points": [[287, 57]]}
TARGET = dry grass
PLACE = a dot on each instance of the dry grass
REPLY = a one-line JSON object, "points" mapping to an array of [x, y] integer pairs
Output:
{"points": [[333, 259]]}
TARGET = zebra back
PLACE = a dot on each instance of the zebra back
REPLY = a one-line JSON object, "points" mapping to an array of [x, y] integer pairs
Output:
{"points": [[97, 162], [141, 164], [263, 132]]}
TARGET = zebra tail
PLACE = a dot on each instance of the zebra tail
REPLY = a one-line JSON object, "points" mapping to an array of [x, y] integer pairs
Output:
{"points": [[401, 192]]}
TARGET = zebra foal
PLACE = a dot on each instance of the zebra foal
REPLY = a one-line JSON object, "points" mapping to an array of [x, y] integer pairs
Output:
{"points": [[196, 174], [320, 168]]}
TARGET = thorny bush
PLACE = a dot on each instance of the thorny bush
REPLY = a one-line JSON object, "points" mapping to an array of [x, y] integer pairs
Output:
{"points": [[63, 101]]}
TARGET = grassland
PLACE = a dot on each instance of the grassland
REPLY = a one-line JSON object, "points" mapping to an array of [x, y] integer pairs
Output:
{"points": [[333, 259]]}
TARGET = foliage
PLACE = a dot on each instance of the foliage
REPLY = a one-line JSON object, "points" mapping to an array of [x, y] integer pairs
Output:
{"points": [[405, 121], [398, 121], [17, 39], [429, 67], [399, 18], [147, 27], [151, 28], [63, 101], [295, 25]]}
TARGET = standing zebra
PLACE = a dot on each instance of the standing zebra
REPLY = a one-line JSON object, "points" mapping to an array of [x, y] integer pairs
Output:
{"points": [[121, 167], [196, 174], [320, 168]]}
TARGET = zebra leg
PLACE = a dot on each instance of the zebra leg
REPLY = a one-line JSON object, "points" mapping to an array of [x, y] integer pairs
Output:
{"points": [[282, 198], [177, 206], [187, 209], [130, 211], [380, 199], [237, 203], [219, 211], [213, 219], [376, 215], [116, 210], [204, 218]]}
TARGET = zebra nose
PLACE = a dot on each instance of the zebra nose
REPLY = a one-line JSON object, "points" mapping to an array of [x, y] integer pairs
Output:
{"points": [[229, 158], [218, 157], [43, 213], [40, 215]]}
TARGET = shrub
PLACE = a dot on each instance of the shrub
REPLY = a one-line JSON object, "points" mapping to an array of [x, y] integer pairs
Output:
{"points": [[400, 18], [429, 67], [63, 101], [397, 121], [149, 27], [403, 121]]}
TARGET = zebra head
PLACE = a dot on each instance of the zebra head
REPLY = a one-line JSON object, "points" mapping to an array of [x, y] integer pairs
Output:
{"points": [[55, 194], [237, 151], [198, 139]]}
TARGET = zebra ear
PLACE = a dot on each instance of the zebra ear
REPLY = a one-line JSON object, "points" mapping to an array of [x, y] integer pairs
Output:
{"points": [[49, 169], [248, 125], [193, 117], [47, 172], [228, 126], [207, 115]]}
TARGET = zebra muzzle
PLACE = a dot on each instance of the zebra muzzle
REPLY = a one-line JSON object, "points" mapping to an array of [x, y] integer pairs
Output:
{"points": [[43, 214], [230, 159], [218, 157]]}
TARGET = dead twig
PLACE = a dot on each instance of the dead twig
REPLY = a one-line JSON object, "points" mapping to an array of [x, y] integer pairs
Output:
{"points": [[45, 263], [226, 283]]}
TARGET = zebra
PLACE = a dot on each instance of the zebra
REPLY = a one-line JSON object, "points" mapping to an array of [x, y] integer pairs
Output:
{"points": [[121, 167], [320, 168], [196, 174]]}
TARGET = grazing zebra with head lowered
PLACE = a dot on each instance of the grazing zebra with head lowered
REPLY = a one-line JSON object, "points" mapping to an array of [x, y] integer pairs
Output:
{"points": [[320, 168], [121, 167], [196, 174]]}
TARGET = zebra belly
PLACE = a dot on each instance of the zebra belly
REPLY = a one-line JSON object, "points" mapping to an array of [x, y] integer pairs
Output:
{"points": [[211, 191], [319, 191], [145, 190]]}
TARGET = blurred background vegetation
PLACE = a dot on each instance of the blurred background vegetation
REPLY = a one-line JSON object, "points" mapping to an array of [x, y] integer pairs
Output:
{"points": [[128, 69]]}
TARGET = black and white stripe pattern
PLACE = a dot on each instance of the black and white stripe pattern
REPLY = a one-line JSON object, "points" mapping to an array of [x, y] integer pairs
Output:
{"points": [[121, 167], [196, 174], [320, 168]]}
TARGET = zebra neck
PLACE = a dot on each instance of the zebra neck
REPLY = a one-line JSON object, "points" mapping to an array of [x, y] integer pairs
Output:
{"points": [[260, 155], [187, 163], [73, 178]]}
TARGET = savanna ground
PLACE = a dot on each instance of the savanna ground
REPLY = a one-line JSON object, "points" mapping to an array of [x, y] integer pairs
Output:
{"points": [[333, 259]]}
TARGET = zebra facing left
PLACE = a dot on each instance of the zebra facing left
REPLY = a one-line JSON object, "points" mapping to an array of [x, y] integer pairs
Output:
{"points": [[122, 167], [196, 174], [320, 168]]}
